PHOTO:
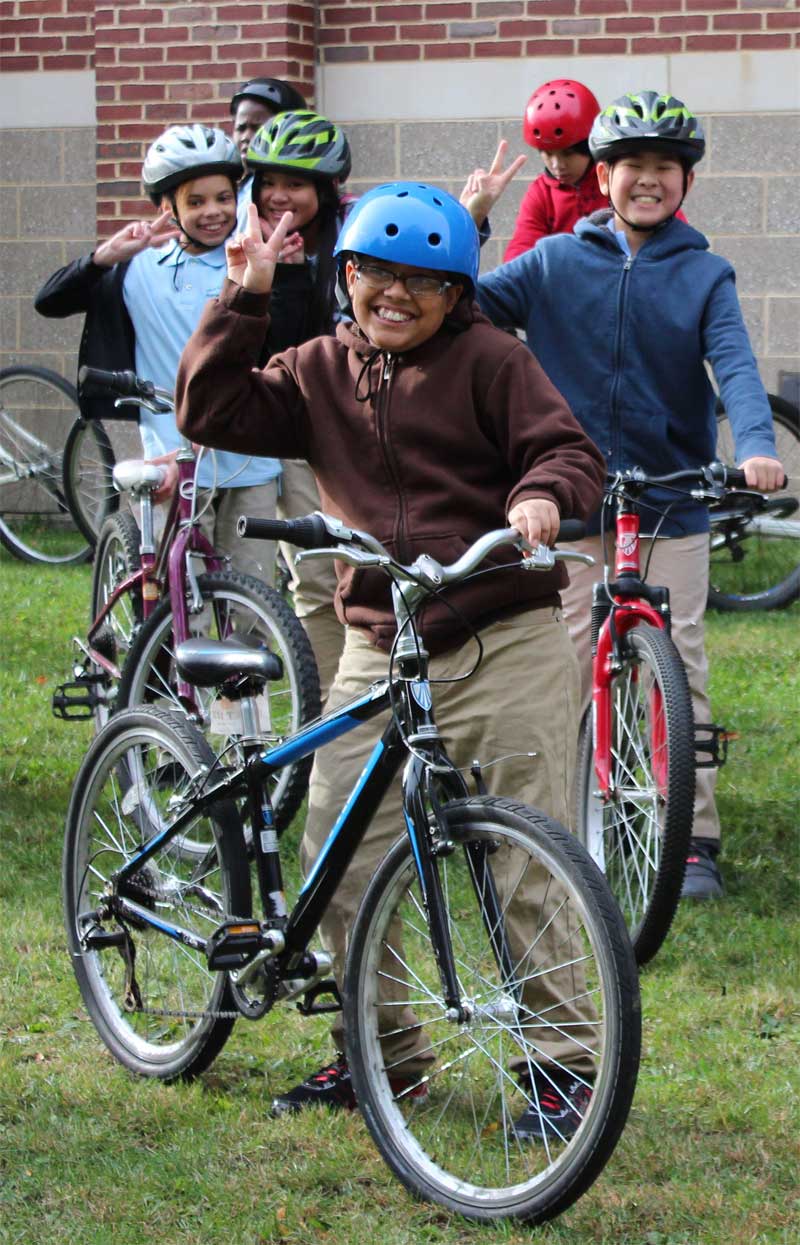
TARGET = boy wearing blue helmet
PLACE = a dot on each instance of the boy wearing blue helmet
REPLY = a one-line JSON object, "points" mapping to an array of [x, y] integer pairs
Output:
{"points": [[426, 427]]}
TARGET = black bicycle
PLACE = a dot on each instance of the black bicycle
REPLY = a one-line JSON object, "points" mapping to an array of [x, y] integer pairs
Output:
{"points": [[511, 994], [755, 539]]}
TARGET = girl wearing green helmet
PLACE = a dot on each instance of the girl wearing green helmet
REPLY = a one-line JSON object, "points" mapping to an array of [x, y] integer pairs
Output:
{"points": [[299, 160]]}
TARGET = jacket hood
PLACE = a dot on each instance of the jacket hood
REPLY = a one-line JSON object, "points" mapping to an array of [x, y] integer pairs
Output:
{"points": [[674, 237]]}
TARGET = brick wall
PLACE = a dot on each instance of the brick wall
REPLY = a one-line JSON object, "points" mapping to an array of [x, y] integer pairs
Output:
{"points": [[46, 35], [164, 62], [391, 30]]}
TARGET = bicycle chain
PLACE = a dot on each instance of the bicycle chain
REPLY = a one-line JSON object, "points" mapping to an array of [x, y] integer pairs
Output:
{"points": [[170, 1014]]}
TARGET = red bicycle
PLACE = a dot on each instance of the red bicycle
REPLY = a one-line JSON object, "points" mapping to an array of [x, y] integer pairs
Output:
{"points": [[640, 745]]}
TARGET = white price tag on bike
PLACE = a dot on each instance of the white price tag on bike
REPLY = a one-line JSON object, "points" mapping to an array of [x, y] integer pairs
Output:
{"points": [[227, 719]]}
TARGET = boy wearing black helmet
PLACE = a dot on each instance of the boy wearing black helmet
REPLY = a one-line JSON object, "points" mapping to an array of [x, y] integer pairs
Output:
{"points": [[256, 101], [623, 315], [427, 427]]}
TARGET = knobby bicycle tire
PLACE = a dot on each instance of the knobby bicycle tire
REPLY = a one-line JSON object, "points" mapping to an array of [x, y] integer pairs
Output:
{"points": [[239, 605], [154, 1002], [37, 409], [116, 558], [88, 474], [545, 965], [640, 835], [755, 565]]}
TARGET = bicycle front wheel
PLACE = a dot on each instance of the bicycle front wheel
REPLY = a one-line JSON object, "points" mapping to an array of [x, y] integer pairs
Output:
{"points": [[37, 409], [154, 1001], [755, 560], [639, 832], [549, 985], [88, 473], [239, 607]]}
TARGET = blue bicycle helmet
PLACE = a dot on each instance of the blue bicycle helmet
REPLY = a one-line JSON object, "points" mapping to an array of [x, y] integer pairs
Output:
{"points": [[411, 223]]}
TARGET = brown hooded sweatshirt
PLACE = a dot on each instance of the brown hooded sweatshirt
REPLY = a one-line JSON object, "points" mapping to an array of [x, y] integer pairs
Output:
{"points": [[426, 450]]}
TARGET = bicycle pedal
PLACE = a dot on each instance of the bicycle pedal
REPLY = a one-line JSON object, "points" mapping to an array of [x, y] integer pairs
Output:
{"points": [[714, 748], [308, 1005], [76, 701], [234, 944], [101, 939]]}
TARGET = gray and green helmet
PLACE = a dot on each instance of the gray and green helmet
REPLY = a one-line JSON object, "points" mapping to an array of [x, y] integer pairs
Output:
{"points": [[647, 119], [303, 142]]}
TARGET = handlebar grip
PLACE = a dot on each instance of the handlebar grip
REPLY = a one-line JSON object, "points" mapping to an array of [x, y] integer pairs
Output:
{"points": [[94, 382], [308, 532], [734, 478], [571, 529]]}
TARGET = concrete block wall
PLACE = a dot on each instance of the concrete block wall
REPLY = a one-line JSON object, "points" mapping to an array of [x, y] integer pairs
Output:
{"points": [[47, 218]]}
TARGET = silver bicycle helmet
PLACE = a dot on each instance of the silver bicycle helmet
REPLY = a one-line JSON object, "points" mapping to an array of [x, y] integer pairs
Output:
{"points": [[186, 151], [647, 119]]}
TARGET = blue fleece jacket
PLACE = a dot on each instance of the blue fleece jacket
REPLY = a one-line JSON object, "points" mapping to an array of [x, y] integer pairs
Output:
{"points": [[625, 339]]}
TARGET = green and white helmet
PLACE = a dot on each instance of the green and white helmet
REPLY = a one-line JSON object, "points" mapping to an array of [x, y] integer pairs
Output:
{"points": [[302, 141], [647, 119]]}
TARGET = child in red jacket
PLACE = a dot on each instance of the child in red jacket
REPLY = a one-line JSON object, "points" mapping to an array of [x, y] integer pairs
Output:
{"points": [[557, 121]]}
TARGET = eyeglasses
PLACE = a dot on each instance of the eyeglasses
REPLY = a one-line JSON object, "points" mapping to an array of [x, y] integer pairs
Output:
{"points": [[417, 284]]}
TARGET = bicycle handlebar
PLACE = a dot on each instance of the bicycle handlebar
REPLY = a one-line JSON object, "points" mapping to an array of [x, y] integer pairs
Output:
{"points": [[312, 532], [94, 382], [325, 534], [714, 475]]}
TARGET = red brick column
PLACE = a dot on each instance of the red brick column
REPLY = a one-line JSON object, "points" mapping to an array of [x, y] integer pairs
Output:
{"points": [[163, 62]]}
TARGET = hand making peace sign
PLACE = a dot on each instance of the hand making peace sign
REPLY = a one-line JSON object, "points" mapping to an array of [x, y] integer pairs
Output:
{"points": [[482, 190], [252, 258]]}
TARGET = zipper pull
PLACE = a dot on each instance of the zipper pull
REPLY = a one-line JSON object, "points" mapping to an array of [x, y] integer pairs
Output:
{"points": [[626, 267], [387, 367]]}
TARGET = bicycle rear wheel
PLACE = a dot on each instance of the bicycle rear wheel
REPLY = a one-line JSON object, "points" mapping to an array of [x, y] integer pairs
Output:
{"points": [[639, 834], [37, 409], [116, 558], [755, 559], [546, 970], [236, 606], [154, 1001]]}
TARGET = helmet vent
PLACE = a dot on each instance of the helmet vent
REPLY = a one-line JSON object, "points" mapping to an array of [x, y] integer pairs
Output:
{"points": [[438, 202], [435, 239], [558, 130], [403, 194], [392, 231]]}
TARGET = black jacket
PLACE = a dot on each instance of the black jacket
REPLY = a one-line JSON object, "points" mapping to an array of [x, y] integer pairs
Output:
{"points": [[108, 340]]}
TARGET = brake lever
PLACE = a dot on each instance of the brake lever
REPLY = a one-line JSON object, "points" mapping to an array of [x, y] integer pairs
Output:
{"points": [[353, 557]]}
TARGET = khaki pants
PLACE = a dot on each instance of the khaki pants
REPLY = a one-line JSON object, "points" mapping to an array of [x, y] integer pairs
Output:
{"points": [[523, 699], [680, 564], [313, 583], [251, 557]]}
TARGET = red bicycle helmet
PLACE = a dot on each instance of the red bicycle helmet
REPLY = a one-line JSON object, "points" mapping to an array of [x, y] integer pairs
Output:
{"points": [[559, 114]]}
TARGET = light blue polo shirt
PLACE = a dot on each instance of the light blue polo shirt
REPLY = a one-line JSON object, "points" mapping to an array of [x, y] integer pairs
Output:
{"points": [[165, 292]]}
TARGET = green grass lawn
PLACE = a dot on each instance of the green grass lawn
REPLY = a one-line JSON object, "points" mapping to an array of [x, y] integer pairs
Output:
{"points": [[90, 1155]]}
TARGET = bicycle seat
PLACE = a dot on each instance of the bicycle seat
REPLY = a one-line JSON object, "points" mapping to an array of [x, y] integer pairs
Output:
{"points": [[133, 475], [208, 663]]}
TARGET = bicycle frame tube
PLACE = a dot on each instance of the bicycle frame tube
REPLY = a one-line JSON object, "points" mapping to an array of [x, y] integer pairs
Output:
{"points": [[627, 613], [346, 834]]}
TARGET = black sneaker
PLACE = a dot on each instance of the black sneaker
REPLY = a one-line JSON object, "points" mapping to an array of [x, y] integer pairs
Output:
{"points": [[332, 1087], [560, 1109], [702, 879]]}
